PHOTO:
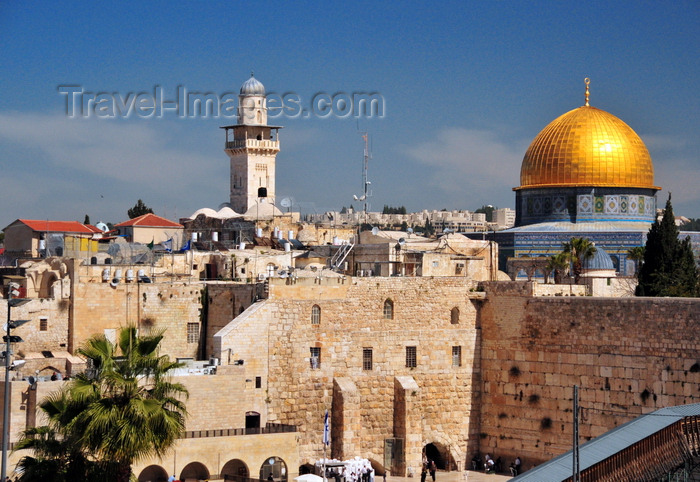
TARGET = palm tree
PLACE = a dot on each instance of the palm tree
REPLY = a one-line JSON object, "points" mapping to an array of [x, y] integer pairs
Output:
{"points": [[559, 265], [56, 454], [636, 254], [130, 407], [121, 409], [577, 250]]}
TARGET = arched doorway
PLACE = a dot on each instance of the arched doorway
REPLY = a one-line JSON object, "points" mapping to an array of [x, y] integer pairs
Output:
{"points": [[153, 473], [275, 466], [306, 469], [194, 471], [441, 455], [252, 422], [235, 470]]}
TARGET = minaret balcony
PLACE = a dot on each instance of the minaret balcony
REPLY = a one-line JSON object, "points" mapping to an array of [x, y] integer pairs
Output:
{"points": [[253, 144]]}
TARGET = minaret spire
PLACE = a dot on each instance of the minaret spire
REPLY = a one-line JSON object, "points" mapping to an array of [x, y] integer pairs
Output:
{"points": [[588, 92]]}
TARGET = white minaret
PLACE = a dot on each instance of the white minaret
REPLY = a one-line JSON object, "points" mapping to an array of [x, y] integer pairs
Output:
{"points": [[252, 146]]}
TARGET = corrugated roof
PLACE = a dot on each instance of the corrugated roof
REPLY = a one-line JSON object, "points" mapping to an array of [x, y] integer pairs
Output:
{"points": [[57, 226], [608, 444], [150, 220]]}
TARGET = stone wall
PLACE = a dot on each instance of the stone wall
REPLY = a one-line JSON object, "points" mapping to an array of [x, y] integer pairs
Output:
{"points": [[629, 356], [279, 336], [149, 306]]}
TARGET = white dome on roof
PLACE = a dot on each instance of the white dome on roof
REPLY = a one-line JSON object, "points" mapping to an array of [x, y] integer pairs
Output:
{"points": [[262, 210], [252, 86], [208, 212], [226, 213]]}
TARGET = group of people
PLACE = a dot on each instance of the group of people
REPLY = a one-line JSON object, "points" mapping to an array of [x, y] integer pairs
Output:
{"points": [[428, 467], [490, 466], [354, 470]]}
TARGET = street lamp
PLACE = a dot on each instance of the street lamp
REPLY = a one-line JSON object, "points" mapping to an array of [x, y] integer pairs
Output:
{"points": [[12, 301]]}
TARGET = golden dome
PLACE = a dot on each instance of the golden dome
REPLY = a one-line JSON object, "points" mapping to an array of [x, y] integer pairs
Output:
{"points": [[587, 147]]}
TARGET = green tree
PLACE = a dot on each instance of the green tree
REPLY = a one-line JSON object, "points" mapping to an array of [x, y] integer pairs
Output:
{"points": [[577, 250], [121, 409], [87, 219], [558, 264], [636, 254], [488, 210], [669, 265], [428, 228], [139, 209]]}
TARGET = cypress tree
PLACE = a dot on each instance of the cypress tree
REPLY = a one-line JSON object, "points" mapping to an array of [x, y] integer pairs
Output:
{"points": [[669, 265]]}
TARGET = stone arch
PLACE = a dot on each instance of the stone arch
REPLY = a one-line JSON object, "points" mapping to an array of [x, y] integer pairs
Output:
{"points": [[388, 310], [153, 473], [315, 315], [377, 467], [194, 471], [275, 466], [48, 371], [450, 456], [47, 281], [454, 315], [235, 469], [306, 469], [539, 275]]}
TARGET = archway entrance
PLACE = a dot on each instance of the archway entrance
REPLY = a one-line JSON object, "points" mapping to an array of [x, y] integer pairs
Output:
{"points": [[235, 470], [442, 457], [194, 471], [274, 466], [153, 473]]}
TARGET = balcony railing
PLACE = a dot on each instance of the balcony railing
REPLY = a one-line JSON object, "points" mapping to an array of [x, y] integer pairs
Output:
{"points": [[228, 432], [245, 143]]}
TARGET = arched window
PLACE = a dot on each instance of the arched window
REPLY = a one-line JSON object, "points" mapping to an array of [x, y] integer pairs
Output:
{"points": [[315, 315], [454, 315], [388, 310]]}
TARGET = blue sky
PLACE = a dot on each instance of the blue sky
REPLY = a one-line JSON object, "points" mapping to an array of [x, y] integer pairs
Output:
{"points": [[466, 85]]}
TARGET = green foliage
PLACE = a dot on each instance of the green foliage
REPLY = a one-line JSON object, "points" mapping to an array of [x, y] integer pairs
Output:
{"points": [[577, 250], [87, 219], [559, 264], [636, 254], [394, 210], [139, 209], [121, 409], [428, 228], [669, 265], [488, 210]]}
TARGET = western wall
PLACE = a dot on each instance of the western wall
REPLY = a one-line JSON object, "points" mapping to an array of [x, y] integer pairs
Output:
{"points": [[629, 356]]}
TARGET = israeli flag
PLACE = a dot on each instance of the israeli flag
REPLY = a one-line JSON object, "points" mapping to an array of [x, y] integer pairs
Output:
{"points": [[168, 245], [326, 431]]}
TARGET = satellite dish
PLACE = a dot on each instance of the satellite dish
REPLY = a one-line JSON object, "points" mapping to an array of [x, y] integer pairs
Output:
{"points": [[102, 227], [409, 230], [446, 231], [375, 230], [286, 202], [402, 241], [31, 380]]}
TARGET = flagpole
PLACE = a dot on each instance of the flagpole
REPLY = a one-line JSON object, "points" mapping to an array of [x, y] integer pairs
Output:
{"points": [[326, 442]]}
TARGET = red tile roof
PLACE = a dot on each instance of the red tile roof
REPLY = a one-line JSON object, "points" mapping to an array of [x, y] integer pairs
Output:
{"points": [[57, 226], [150, 221]]}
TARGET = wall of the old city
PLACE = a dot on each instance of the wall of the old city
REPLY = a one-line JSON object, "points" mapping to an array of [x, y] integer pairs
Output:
{"points": [[629, 356], [149, 306], [279, 334]]}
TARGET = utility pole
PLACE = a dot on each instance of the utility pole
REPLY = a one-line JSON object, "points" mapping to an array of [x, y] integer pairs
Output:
{"points": [[12, 301], [576, 468]]}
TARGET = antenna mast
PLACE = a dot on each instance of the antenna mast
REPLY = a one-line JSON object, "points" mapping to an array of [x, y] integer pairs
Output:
{"points": [[365, 166]]}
